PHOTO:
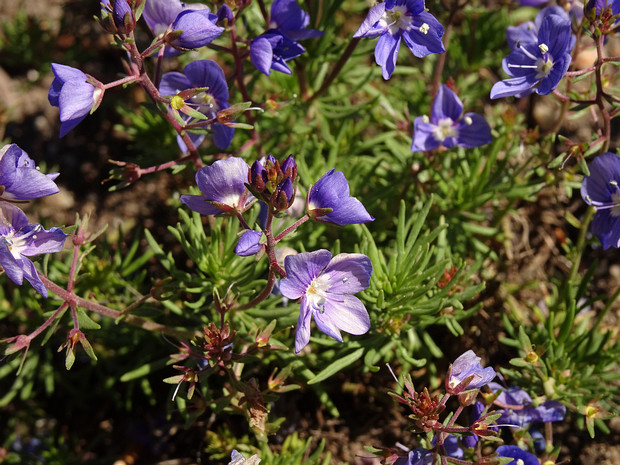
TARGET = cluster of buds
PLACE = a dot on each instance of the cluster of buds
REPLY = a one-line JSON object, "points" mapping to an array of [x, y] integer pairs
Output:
{"points": [[273, 182], [119, 16]]}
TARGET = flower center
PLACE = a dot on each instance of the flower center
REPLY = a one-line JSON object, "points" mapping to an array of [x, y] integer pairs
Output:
{"points": [[396, 19], [316, 294], [18, 243], [445, 128]]}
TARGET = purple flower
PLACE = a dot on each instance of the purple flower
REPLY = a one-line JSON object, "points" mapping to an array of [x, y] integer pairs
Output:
{"points": [[417, 456], [518, 409], [20, 179], [528, 32], [75, 94], [326, 286], [448, 126], [406, 19], [289, 18], [20, 240], [238, 459], [533, 2], [466, 373], [538, 66], [223, 188], [197, 74], [194, 19], [278, 45], [329, 201], [601, 190], [249, 243], [520, 456]]}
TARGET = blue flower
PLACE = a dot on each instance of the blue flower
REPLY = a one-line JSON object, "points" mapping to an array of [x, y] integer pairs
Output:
{"points": [[278, 45], [329, 201], [448, 126], [194, 19], [466, 373], [75, 94], [528, 32], [538, 66], [518, 409], [601, 190], [20, 179], [197, 74], [406, 19], [249, 243], [20, 240], [238, 459], [326, 286], [223, 188], [519, 456]]}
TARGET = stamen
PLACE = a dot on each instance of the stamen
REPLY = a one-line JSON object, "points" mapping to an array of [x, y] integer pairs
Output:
{"points": [[523, 66], [543, 48], [526, 52], [468, 120], [424, 28], [425, 119]]}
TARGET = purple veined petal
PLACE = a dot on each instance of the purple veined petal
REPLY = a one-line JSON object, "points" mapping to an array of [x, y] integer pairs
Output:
{"points": [[280, 65], [555, 32], [32, 184], [523, 33], [199, 204], [423, 135], [31, 275], [446, 104], [224, 181], [349, 273], [512, 86], [512, 395], [603, 169], [549, 411], [261, 54], [54, 92], [468, 365], [386, 53], [519, 62], [422, 43], [349, 211], [66, 73], [326, 324], [249, 243], [11, 218], [347, 313], [76, 100], [533, 2], [473, 131], [287, 15], [42, 241], [198, 28], [303, 34], [367, 29], [9, 154], [223, 135], [174, 82], [606, 227], [302, 332], [12, 267], [414, 7], [207, 73], [549, 83], [301, 269], [417, 456], [160, 14]]}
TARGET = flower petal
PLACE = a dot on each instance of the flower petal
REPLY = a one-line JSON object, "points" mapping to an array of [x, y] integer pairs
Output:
{"points": [[302, 333], [347, 313], [386, 53], [349, 273], [446, 104], [473, 131], [423, 136], [301, 269]]}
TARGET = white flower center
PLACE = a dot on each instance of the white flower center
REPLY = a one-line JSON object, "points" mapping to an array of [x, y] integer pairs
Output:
{"points": [[544, 66], [396, 19], [445, 128], [316, 294], [17, 244]]}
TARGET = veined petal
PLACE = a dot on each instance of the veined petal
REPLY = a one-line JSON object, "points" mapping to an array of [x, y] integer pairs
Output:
{"points": [[76, 100], [42, 241], [301, 269], [606, 227], [261, 54], [11, 218], [174, 82], [386, 53], [423, 136], [302, 333], [198, 29], [423, 43], [368, 29], [349, 273], [9, 263], [325, 323], [287, 15], [446, 104], [31, 275], [603, 169], [512, 86], [550, 82], [199, 204], [159, 14], [224, 181], [345, 312], [473, 131], [207, 73]]}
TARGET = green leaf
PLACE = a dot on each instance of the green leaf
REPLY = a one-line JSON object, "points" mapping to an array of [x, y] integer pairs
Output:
{"points": [[338, 365]]}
